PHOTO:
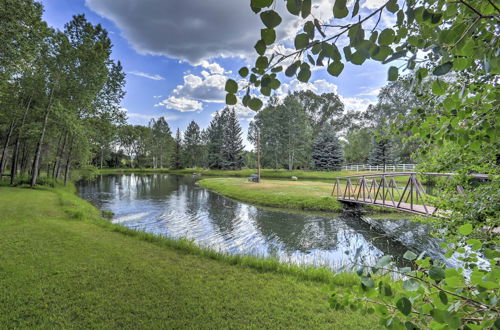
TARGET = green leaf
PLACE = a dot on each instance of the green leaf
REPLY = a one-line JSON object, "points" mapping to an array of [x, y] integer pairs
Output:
{"points": [[411, 285], [231, 86], [475, 243], [340, 9], [255, 104], [260, 47], [436, 273], [270, 18], [442, 69], [404, 306], [290, 71], [443, 297], [293, 6], [275, 84], [393, 73], [465, 229], [243, 71], [356, 34], [409, 255], [309, 29], [392, 6], [331, 51], [384, 261], [355, 8], [357, 58], [268, 36], [265, 91], [231, 99], [262, 62], [335, 68], [260, 3], [277, 69], [386, 37], [367, 282], [380, 53], [438, 87], [301, 40], [306, 8], [304, 75], [387, 290]]}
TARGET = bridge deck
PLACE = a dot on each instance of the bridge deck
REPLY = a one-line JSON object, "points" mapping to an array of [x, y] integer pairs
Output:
{"points": [[406, 207]]}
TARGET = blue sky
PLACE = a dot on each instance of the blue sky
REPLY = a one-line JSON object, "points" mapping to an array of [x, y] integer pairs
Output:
{"points": [[178, 53]]}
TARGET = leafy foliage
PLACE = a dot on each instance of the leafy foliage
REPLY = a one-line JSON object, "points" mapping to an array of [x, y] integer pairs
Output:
{"points": [[450, 50]]}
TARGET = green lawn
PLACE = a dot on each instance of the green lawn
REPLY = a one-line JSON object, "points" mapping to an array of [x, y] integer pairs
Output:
{"points": [[57, 270], [305, 195]]}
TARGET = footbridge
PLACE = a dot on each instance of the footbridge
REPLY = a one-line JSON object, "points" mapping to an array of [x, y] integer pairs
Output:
{"points": [[401, 191]]}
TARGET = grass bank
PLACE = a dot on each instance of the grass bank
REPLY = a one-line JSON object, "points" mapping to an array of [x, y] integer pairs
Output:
{"points": [[265, 173], [304, 195], [62, 265]]}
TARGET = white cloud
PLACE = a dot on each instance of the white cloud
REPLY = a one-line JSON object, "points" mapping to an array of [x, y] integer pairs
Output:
{"points": [[373, 4], [181, 104], [214, 67], [356, 103], [319, 86], [146, 75]]}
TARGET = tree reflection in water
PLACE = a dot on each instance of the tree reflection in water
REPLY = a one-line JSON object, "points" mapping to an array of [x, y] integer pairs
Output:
{"points": [[173, 206]]}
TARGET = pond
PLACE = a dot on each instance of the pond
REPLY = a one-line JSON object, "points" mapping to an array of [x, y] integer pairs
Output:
{"points": [[174, 206]]}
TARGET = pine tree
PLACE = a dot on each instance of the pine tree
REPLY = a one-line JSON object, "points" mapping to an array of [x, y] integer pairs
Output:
{"points": [[232, 147], [192, 142], [176, 162], [327, 153], [381, 153], [215, 142]]}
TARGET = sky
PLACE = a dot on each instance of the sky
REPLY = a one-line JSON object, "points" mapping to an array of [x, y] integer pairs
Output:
{"points": [[177, 54]]}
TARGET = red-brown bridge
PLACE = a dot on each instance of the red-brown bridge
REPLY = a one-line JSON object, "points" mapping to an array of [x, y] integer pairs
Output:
{"points": [[382, 190]]}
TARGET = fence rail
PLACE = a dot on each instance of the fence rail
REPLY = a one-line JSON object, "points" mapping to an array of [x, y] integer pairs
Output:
{"points": [[384, 168]]}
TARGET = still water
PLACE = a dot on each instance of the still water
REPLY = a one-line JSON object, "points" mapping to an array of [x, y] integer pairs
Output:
{"points": [[174, 206]]}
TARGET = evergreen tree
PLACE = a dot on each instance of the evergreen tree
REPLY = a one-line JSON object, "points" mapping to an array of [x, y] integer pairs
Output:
{"points": [[176, 163], [381, 153], [232, 147], [192, 142], [215, 142], [327, 152]]}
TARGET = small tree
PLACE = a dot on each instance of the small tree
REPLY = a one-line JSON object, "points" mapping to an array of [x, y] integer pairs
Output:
{"points": [[327, 153], [381, 153], [176, 162]]}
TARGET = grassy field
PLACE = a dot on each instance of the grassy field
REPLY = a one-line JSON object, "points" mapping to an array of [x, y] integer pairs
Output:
{"points": [[305, 195], [63, 266], [265, 173]]}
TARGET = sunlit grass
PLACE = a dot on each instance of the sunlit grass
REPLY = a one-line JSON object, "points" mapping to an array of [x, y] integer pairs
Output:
{"points": [[61, 265]]}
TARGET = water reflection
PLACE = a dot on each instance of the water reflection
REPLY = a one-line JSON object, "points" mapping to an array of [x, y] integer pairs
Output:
{"points": [[174, 206]]}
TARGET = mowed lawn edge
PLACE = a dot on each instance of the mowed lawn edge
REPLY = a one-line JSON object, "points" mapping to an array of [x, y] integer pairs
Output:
{"points": [[61, 265], [303, 195]]}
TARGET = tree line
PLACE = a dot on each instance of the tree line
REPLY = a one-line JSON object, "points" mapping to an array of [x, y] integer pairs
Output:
{"points": [[59, 92]]}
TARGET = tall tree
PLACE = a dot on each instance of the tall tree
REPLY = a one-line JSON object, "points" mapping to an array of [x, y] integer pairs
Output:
{"points": [[232, 141], [215, 142], [192, 144], [327, 152], [176, 162]]}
